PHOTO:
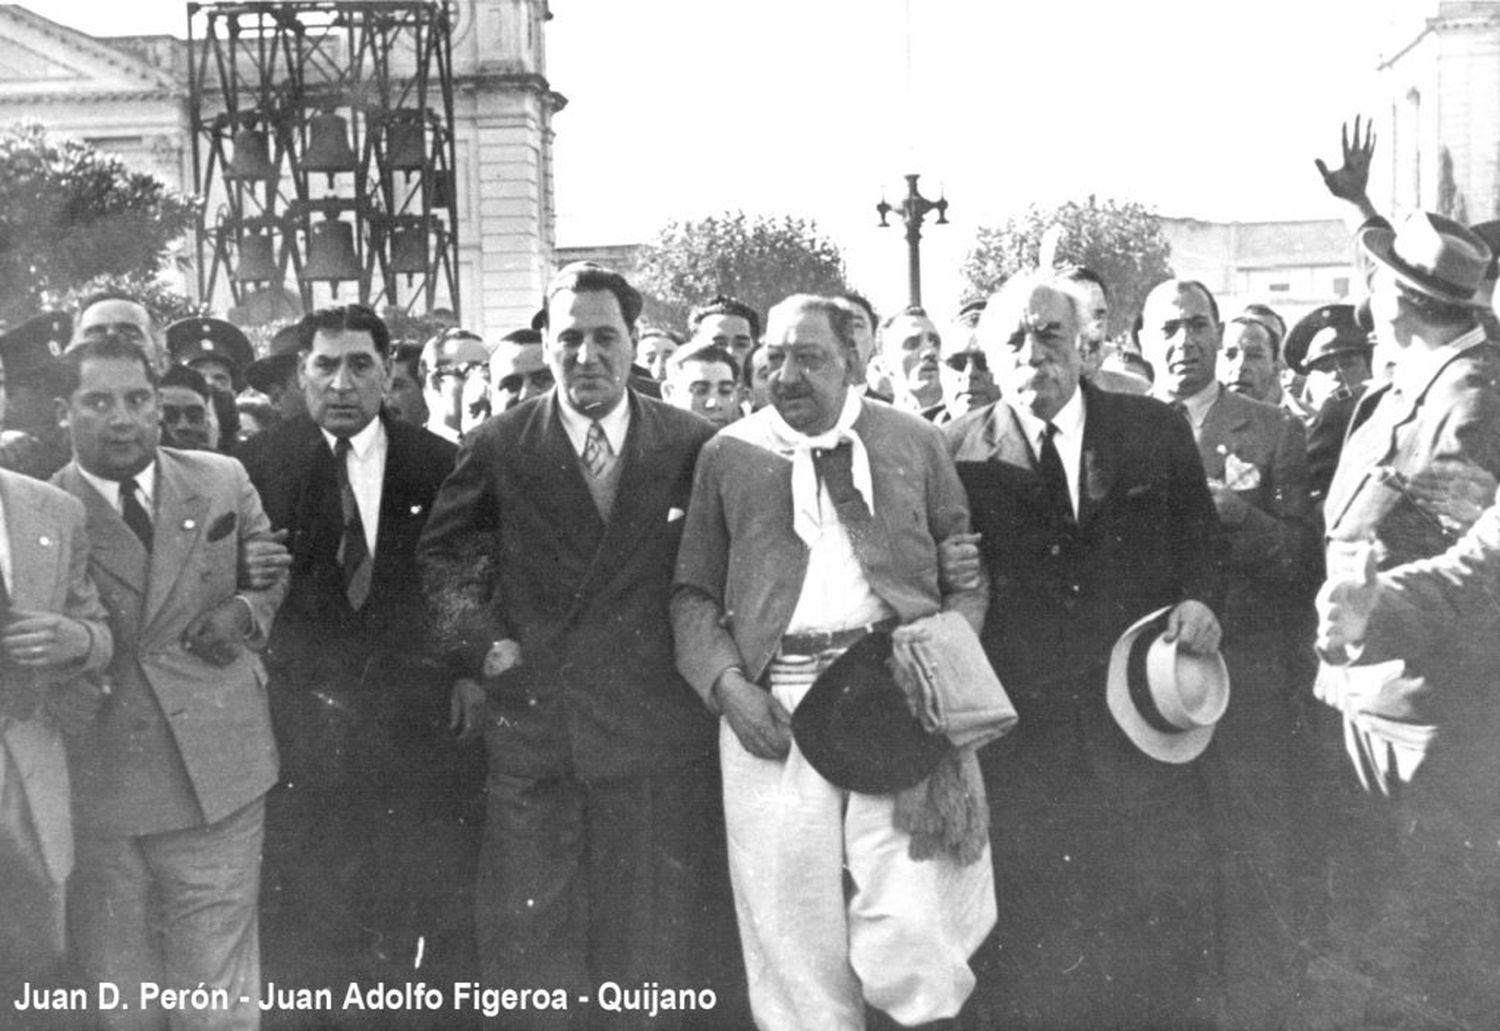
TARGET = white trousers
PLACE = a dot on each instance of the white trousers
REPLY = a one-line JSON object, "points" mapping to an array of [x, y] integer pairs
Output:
{"points": [[901, 942]]}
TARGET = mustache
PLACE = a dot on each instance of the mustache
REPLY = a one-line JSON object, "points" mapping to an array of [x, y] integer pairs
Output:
{"points": [[780, 389]]}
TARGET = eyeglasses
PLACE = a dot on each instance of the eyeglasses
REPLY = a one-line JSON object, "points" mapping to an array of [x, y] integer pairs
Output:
{"points": [[963, 359], [468, 369]]}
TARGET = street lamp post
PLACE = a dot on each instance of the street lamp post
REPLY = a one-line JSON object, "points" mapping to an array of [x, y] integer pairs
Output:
{"points": [[913, 210]]}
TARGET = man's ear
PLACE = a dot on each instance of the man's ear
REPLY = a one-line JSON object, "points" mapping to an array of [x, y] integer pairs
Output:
{"points": [[60, 407]]}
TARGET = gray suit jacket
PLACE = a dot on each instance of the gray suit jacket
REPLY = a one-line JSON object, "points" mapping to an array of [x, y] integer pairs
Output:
{"points": [[49, 573], [741, 565], [1273, 547], [180, 743]]}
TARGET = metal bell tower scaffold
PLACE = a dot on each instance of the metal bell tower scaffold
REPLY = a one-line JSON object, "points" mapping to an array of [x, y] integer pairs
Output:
{"points": [[323, 150]]}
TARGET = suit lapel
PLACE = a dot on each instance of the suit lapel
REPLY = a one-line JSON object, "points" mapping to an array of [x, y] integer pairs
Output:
{"points": [[35, 552], [577, 520], [1224, 424], [177, 525], [1366, 446], [1096, 477], [640, 488], [113, 546], [1010, 453], [635, 500]]}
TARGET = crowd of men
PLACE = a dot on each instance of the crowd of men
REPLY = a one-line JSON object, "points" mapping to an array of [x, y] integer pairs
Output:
{"points": [[603, 654]]}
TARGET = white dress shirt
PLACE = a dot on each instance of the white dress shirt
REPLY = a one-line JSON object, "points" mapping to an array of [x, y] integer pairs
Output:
{"points": [[1068, 439], [1197, 405], [367, 450], [615, 424], [5, 560], [145, 482]]}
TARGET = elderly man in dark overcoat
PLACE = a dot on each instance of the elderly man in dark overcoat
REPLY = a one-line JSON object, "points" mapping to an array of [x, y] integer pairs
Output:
{"points": [[1093, 511]]}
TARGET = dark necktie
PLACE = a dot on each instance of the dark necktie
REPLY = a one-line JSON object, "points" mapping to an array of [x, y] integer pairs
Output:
{"points": [[1049, 466], [133, 512], [354, 554], [835, 469], [1182, 410]]}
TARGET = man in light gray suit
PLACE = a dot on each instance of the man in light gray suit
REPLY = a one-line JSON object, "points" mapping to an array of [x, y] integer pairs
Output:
{"points": [[169, 781], [54, 635]]}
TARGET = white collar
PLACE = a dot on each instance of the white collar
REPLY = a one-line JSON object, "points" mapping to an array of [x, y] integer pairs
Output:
{"points": [[1198, 404], [615, 423], [360, 443], [145, 482], [1068, 420], [1416, 368]]}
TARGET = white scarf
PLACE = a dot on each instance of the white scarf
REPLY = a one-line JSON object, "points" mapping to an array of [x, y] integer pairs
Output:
{"points": [[807, 518]]}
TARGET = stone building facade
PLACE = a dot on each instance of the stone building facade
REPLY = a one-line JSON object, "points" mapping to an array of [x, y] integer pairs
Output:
{"points": [[129, 96], [1439, 123]]}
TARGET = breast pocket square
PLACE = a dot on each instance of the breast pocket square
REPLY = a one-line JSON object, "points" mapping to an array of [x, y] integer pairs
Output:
{"points": [[674, 514], [222, 527]]}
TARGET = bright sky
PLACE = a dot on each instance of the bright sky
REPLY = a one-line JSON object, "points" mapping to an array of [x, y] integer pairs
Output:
{"points": [[684, 108]]}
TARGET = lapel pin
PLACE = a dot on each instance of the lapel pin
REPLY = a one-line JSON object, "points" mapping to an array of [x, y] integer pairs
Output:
{"points": [[415, 509], [188, 524], [44, 541]]}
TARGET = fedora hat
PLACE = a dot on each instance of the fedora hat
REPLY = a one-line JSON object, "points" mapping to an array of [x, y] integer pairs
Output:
{"points": [[1432, 255], [1167, 700], [266, 374], [855, 726]]}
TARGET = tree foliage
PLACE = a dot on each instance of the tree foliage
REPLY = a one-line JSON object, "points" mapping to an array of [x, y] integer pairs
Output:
{"points": [[70, 214], [1120, 240], [165, 304], [758, 259]]}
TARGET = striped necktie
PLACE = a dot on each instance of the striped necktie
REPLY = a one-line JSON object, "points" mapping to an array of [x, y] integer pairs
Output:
{"points": [[353, 554], [598, 456]]}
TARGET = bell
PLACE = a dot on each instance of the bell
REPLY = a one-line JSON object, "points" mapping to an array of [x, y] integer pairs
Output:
{"points": [[406, 143], [442, 189], [409, 250], [257, 262], [330, 252], [328, 147], [252, 157]]}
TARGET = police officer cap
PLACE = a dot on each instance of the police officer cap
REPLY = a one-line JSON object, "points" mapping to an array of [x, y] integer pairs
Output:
{"points": [[1323, 332], [202, 337], [34, 343]]}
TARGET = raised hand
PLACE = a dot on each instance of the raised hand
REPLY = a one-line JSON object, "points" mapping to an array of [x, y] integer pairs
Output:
{"points": [[1351, 180]]}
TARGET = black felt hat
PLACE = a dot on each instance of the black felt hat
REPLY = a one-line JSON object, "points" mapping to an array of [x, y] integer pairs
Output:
{"points": [[266, 374], [856, 729]]}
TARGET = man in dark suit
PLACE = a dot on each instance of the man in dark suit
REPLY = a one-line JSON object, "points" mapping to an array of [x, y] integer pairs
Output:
{"points": [[1255, 457], [369, 854], [169, 781], [1093, 511], [601, 835], [1413, 727]]}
